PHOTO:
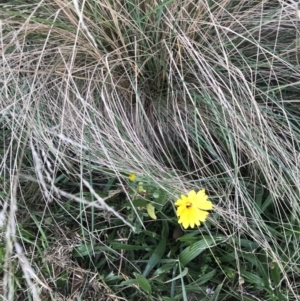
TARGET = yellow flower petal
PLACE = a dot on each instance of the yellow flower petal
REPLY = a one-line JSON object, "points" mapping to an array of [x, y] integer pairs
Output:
{"points": [[192, 195], [181, 201], [201, 195], [204, 205], [202, 215], [180, 210], [185, 224]]}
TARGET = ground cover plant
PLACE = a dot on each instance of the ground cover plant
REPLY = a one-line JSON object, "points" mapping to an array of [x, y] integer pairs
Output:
{"points": [[113, 113]]}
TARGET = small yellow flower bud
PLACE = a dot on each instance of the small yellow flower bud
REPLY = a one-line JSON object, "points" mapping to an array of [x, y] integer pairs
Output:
{"points": [[132, 177]]}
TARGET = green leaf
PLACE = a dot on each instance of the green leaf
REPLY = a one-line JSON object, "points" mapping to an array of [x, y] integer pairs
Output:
{"points": [[156, 256], [191, 252], [180, 276], [217, 292], [120, 246], [267, 202], [139, 202], [161, 200], [143, 283], [2, 247], [155, 194], [140, 188], [151, 211], [275, 272], [165, 268], [205, 278], [253, 279], [128, 282], [259, 197]]}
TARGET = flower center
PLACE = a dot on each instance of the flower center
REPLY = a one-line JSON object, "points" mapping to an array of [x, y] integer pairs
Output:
{"points": [[188, 205]]}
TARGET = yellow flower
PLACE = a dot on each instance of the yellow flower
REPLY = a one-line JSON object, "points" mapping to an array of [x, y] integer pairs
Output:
{"points": [[191, 208], [132, 177]]}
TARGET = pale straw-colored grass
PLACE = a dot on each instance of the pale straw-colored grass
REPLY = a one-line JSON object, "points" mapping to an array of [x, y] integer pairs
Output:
{"points": [[189, 95]]}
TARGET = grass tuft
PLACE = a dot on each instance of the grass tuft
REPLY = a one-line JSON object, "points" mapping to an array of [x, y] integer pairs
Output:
{"points": [[184, 95]]}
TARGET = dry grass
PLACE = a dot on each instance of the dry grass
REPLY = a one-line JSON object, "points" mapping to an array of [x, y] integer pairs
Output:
{"points": [[186, 95]]}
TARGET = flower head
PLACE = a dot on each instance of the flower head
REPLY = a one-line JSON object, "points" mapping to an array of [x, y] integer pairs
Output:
{"points": [[132, 177], [192, 208]]}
